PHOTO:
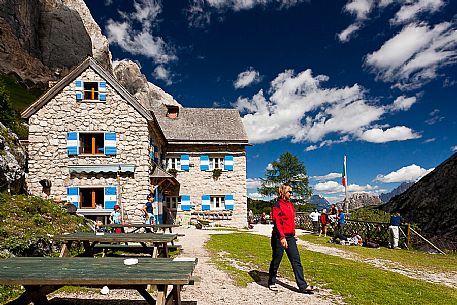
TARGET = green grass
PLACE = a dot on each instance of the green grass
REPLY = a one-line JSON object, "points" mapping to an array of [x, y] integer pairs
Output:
{"points": [[410, 259], [21, 96], [356, 282]]}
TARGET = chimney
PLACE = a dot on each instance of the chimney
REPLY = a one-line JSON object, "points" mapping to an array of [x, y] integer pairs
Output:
{"points": [[172, 112]]}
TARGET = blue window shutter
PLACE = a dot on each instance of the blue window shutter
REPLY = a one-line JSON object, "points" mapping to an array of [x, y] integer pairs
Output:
{"points": [[72, 143], [185, 203], [73, 195], [79, 89], [110, 197], [110, 143], [102, 97], [206, 204], [102, 91], [228, 163], [204, 163], [185, 162], [229, 202]]}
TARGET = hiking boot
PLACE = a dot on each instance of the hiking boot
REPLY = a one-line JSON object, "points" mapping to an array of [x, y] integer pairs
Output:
{"points": [[307, 289], [273, 287]]}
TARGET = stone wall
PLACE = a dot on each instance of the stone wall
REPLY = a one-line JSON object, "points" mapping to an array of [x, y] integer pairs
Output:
{"points": [[48, 158], [197, 183]]}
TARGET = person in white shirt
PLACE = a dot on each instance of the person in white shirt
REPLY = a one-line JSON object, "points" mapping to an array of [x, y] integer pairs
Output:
{"points": [[315, 220]]}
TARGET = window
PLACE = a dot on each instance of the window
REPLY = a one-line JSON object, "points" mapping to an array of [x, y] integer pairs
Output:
{"points": [[91, 198], [173, 202], [217, 202], [91, 143], [216, 163], [174, 163], [91, 91]]}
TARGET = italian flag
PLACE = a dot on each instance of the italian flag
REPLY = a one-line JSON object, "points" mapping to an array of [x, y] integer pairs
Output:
{"points": [[343, 174]]}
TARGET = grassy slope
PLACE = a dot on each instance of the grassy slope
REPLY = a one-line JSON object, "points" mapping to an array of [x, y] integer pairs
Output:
{"points": [[21, 96], [26, 221], [357, 283]]}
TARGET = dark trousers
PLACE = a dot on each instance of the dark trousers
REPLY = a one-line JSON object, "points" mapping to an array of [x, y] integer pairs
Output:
{"points": [[294, 258], [315, 226]]}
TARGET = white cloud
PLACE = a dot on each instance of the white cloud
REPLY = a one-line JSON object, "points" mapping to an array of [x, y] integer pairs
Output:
{"points": [[413, 56], [247, 78], [329, 176], [407, 173], [434, 117], [398, 133], [332, 187], [297, 106], [256, 195], [253, 183], [269, 167], [160, 72], [200, 11], [311, 148], [348, 32], [403, 103], [454, 148], [429, 140], [329, 187], [126, 35], [360, 8], [411, 9]]}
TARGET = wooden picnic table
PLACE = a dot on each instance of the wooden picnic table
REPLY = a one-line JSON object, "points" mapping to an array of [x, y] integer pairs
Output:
{"points": [[43, 275], [151, 243], [138, 226]]}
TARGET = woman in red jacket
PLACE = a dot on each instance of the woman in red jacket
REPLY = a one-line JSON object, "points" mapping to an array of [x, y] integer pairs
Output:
{"points": [[283, 238]]}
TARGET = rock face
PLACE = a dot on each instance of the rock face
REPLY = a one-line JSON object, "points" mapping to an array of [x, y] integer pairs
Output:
{"points": [[12, 162], [360, 200], [432, 201], [320, 201], [395, 192], [150, 96], [41, 40]]}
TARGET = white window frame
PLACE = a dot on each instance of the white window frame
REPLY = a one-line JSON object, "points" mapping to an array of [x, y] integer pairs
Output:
{"points": [[217, 202], [216, 162], [173, 162], [173, 202]]}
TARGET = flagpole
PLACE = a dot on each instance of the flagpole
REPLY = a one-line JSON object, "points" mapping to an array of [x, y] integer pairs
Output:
{"points": [[346, 186]]}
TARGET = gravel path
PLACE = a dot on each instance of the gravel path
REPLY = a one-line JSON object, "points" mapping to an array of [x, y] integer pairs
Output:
{"points": [[214, 286]]}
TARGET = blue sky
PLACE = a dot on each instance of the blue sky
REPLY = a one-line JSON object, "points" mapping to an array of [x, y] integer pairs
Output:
{"points": [[373, 80]]}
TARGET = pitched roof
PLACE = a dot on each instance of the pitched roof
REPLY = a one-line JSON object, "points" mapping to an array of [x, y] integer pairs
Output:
{"points": [[92, 63], [213, 125]]}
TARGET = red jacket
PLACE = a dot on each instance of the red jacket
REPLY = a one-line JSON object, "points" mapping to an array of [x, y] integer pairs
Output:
{"points": [[283, 213]]}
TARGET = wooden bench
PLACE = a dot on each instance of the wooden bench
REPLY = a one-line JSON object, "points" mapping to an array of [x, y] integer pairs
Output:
{"points": [[43, 275]]}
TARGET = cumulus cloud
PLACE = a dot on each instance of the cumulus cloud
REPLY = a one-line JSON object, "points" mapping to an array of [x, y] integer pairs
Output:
{"points": [[329, 176], [413, 57], [398, 133], [332, 187], [403, 103], [360, 8], [161, 72], [200, 11], [253, 183], [407, 173], [134, 32], [348, 32], [247, 78], [454, 148], [256, 195], [297, 106], [411, 9]]}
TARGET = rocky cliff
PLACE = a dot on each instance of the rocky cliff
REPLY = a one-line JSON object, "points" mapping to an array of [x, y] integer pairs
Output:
{"points": [[12, 162], [42, 40], [360, 200], [432, 201], [395, 192], [319, 201], [150, 96]]}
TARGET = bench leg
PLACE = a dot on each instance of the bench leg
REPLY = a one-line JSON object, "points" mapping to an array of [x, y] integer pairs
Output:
{"points": [[146, 296], [161, 294], [34, 294], [175, 296]]}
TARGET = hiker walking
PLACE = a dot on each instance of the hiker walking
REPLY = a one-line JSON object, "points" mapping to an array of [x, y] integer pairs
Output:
{"points": [[283, 238]]}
